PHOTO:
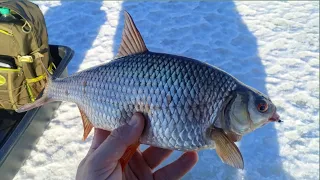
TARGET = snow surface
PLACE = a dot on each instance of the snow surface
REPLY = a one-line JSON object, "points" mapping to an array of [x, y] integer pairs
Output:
{"points": [[272, 46]]}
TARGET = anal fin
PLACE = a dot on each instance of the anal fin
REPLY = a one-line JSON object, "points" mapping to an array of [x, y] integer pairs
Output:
{"points": [[87, 126], [227, 149], [128, 154]]}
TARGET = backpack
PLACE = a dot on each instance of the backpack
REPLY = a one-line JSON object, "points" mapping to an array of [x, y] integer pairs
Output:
{"points": [[23, 46]]}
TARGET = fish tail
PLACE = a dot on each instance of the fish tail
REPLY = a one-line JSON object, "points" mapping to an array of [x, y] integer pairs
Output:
{"points": [[37, 103], [44, 99]]}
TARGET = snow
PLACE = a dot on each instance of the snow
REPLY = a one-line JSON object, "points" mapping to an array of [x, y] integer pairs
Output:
{"points": [[272, 46]]}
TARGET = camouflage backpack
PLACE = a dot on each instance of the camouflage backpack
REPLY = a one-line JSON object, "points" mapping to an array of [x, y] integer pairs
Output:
{"points": [[23, 45]]}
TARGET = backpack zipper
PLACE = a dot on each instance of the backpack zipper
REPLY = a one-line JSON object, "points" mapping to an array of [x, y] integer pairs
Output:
{"points": [[5, 32]]}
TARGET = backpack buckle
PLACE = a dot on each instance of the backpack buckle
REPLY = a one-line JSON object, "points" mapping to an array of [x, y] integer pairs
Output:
{"points": [[27, 59]]}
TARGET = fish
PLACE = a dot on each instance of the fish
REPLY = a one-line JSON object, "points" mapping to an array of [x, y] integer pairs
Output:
{"points": [[189, 105]]}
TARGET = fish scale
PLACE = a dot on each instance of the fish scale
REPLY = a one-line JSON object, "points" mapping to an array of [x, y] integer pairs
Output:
{"points": [[178, 99]]}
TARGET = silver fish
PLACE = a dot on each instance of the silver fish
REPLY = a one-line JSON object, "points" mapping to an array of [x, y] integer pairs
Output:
{"points": [[188, 104]]}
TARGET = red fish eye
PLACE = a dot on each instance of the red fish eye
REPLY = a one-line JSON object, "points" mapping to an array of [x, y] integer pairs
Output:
{"points": [[262, 107]]}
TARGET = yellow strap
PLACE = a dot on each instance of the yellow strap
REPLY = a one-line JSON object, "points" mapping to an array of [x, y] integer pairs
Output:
{"points": [[39, 78], [51, 66], [5, 32], [36, 79], [30, 93]]}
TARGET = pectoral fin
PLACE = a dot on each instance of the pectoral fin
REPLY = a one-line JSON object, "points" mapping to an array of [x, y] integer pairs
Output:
{"points": [[234, 137], [226, 149], [128, 154], [87, 126]]}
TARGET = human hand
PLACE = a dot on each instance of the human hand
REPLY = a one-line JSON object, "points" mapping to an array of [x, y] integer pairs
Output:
{"points": [[102, 160]]}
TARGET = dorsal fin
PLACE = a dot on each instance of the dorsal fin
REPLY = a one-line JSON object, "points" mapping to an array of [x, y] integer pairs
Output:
{"points": [[131, 42]]}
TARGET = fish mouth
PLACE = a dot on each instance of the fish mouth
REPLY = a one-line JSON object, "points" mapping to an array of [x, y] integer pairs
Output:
{"points": [[275, 117]]}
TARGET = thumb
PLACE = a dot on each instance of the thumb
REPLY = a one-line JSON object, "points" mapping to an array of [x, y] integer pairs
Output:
{"points": [[116, 144]]}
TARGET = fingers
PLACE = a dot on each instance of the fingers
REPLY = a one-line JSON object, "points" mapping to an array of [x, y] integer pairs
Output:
{"points": [[154, 156], [178, 168], [98, 137], [139, 167], [117, 142]]}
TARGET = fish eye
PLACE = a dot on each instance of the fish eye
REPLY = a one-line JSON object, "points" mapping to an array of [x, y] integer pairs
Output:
{"points": [[262, 106]]}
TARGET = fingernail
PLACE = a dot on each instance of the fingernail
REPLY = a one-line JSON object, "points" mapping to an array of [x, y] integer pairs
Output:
{"points": [[134, 120]]}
